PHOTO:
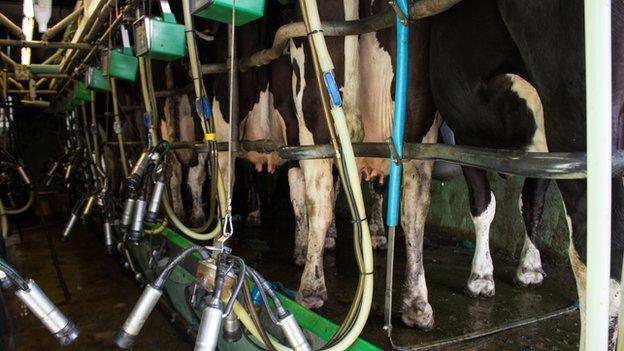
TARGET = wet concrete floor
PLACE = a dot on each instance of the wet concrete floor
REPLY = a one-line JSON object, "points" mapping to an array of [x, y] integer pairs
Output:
{"points": [[102, 294], [447, 267]]}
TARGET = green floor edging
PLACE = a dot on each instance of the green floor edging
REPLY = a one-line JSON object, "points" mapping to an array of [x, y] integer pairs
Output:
{"points": [[319, 326]]}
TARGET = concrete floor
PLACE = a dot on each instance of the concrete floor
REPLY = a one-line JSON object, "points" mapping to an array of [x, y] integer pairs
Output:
{"points": [[102, 294]]}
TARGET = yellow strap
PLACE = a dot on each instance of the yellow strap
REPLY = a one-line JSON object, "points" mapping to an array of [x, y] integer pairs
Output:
{"points": [[210, 137]]}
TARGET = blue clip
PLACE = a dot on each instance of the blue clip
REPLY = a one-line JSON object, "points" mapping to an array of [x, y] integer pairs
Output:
{"points": [[205, 104], [147, 120], [332, 88]]}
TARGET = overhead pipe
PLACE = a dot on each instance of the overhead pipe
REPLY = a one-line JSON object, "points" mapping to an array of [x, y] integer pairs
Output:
{"points": [[599, 138], [104, 38], [53, 57], [44, 44], [62, 24], [26, 91], [12, 27], [6, 58], [420, 9], [93, 26]]}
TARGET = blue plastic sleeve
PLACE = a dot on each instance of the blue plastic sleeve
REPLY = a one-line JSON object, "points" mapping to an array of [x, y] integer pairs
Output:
{"points": [[205, 103], [398, 128], [147, 120], [332, 88]]}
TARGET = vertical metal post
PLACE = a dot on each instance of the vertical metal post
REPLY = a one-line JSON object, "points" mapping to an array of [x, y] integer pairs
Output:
{"points": [[598, 90]]}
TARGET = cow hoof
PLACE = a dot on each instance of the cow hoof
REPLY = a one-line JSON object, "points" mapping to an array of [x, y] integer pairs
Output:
{"points": [[330, 243], [418, 314], [253, 219], [529, 276], [379, 242], [311, 300], [480, 286]]}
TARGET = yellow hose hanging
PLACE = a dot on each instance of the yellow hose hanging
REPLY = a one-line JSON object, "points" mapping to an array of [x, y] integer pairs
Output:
{"points": [[83, 109], [4, 221], [96, 143], [146, 82], [351, 329], [117, 127]]}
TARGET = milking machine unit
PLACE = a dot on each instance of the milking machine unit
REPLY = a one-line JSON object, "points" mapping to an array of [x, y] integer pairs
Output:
{"points": [[29, 293]]}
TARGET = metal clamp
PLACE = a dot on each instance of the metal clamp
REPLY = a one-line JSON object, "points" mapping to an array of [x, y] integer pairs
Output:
{"points": [[397, 10], [396, 158]]}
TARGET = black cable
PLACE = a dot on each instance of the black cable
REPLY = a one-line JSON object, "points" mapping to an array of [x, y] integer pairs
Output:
{"points": [[265, 300], [159, 283], [53, 253], [242, 270], [13, 275], [255, 319]]}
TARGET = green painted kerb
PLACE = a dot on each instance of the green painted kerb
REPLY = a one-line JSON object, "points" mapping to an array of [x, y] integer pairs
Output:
{"points": [[319, 326]]}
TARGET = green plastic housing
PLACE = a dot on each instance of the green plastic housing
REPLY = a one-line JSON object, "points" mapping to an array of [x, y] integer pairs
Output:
{"points": [[167, 39], [123, 65], [94, 80], [221, 10], [81, 93], [160, 37]]}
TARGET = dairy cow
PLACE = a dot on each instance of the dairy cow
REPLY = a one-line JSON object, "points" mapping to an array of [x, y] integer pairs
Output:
{"points": [[494, 64]]}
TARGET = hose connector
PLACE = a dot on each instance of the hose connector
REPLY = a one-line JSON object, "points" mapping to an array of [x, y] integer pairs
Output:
{"points": [[88, 208], [52, 318], [24, 175], [232, 331], [154, 204], [108, 237], [293, 333], [73, 218], [126, 336], [135, 234], [126, 215], [209, 328]]}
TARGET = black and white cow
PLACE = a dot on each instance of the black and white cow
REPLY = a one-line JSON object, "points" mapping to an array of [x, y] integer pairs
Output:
{"points": [[365, 72], [494, 64]]}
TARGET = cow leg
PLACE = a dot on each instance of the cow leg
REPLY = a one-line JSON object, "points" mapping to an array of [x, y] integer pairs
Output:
{"points": [[253, 217], [416, 310], [531, 205], [175, 183], [482, 209], [318, 197], [575, 200], [377, 227], [297, 198], [332, 233], [195, 182]]}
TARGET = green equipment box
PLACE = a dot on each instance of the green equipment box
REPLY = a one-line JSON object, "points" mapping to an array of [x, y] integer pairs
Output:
{"points": [[81, 93], [120, 64], [94, 80], [221, 10], [160, 37]]}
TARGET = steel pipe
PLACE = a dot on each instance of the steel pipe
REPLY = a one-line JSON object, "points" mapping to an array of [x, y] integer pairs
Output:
{"points": [[12, 27], [550, 165], [52, 31], [44, 44], [421, 9], [26, 91]]}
